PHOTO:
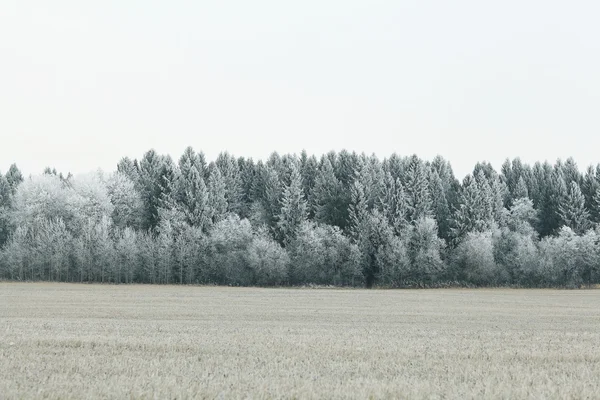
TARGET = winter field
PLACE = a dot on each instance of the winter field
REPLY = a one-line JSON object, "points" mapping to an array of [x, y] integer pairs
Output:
{"points": [[100, 341]]}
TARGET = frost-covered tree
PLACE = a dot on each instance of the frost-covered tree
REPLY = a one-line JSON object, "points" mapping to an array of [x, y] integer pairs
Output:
{"points": [[268, 261], [293, 207], [321, 254], [5, 208], [439, 204], [521, 189], [14, 177], [473, 260], [329, 197], [217, 197], [596, 206], [126, 201], [417, 190], [228, 166], [572, 210], [156, 178], [425, 250], [394, 204]]}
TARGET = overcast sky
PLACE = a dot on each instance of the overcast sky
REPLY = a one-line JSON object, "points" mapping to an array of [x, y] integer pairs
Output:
{"points": [[85, 83]]}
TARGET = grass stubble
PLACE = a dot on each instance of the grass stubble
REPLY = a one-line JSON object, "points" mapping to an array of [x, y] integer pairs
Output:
{"points": [[63, 341]]}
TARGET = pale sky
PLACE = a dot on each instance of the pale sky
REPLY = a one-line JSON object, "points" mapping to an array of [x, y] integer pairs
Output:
{"points": [[84, 83]]}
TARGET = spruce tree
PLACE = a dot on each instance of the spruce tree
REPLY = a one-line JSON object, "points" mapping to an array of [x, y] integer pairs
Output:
{"points": [[358, 209], [14, 177], [309, 168], [557, 191], [572, 210], [217, 200], [293, 208], [417, 190], [394, 205], [589, 187], [157, 177], [596, 207], [521, 190], [328, 197], [441, 211], [230, 172], [5, 205], [195, 201], [130, 169], [473, 213]]}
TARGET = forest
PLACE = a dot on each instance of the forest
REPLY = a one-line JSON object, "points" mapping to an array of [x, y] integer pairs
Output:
{"points": [[342, 219]]}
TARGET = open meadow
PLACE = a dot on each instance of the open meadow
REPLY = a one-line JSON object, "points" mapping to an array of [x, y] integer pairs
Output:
{"points": [[101, 341]]}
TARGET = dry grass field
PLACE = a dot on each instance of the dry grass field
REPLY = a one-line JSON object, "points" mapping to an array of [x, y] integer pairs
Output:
{"points": [[165, 342]]}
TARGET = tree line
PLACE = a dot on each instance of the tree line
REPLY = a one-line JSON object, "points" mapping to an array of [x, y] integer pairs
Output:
{"points": [[343, 219]]}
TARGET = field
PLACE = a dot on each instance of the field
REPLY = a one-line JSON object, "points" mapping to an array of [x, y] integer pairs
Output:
{"points": [[94, 341]]}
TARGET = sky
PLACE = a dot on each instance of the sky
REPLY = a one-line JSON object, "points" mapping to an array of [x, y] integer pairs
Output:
{"points": [[85, 83]]}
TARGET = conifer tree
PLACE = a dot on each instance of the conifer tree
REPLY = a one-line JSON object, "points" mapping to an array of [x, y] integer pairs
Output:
{"points": [[521, 190], [328, 197], [596, 207], [486, 198], [358, 211], [293, 207], [14, 177], [589, 186], [309, 168], [417, 190], [129, 168], [195, 201], [572, 210], [441, 211], [471, 215], [273, 192], [557, 191], [542, 199], [248, 176], [230, 172], [570, 172], [217, 201], [156, 176], [394, 204], [5, 205]]}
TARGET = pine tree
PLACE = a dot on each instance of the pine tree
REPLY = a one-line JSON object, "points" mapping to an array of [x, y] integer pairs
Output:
{"points": [[572, 210], [293, 208]]}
